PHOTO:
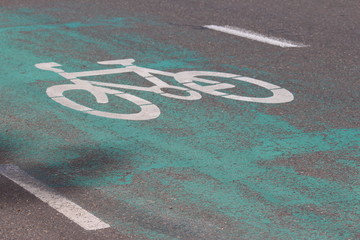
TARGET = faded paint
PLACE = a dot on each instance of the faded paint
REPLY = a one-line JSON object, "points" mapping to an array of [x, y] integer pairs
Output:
{"points": [[222, 177]]}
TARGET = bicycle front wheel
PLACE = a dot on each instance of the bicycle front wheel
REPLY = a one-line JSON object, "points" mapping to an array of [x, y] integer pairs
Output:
{"points": [[189, 79]]}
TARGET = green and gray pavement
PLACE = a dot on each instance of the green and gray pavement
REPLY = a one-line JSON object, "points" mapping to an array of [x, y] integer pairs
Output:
{"points": [[212, 168]]}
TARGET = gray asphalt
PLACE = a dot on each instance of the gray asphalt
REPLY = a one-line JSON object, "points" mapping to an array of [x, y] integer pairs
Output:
{"points": [[327, 72]]}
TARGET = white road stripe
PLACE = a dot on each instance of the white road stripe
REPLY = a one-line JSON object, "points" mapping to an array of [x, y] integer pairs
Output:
{"points": [[255, 36], [71, 210]]}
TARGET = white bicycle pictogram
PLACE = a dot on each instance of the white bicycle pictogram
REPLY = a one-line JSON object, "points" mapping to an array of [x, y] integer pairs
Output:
{"points": [[148, 110]]}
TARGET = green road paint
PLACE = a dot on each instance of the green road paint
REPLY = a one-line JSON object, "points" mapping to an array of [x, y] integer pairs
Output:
{"points": [[215, 166]]}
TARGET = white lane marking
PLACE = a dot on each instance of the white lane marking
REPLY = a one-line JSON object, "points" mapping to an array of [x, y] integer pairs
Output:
{"points": [[190, 79], [71, 210], [255, 36]]}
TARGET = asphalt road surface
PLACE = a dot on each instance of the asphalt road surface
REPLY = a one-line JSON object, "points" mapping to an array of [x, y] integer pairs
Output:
{"points": [[179, 119]]}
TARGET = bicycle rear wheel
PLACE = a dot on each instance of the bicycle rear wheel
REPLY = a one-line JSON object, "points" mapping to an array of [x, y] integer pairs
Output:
{"points": [[148, 110]]}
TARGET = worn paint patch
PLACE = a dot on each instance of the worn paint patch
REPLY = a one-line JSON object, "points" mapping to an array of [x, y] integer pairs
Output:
{"points": [[214, 169]]}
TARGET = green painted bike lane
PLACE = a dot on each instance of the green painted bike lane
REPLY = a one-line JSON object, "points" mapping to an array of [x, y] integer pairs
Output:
{"points": [[213, 168]]}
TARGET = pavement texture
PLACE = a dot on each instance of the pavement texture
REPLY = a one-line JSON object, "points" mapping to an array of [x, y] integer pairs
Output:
{"points": [[214, 168]]}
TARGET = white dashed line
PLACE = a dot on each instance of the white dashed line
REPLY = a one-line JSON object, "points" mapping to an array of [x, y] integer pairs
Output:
{"points": [[255, 36], [71, 210]]}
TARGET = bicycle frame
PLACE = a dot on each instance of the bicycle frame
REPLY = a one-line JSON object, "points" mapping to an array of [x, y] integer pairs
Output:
{"points": [[128, 68]]}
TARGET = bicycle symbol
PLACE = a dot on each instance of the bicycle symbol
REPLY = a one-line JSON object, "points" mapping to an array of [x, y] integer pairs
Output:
{"points": [[189, 80]]}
